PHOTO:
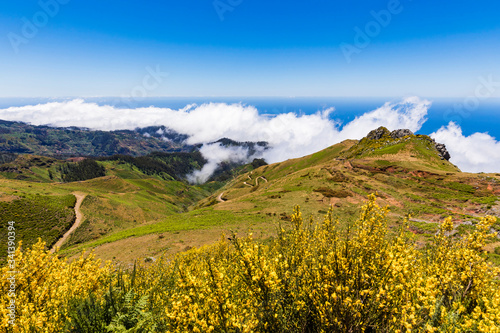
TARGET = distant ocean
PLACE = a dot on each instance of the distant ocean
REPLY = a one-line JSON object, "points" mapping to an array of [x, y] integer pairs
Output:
{"points": [[481, 117]]}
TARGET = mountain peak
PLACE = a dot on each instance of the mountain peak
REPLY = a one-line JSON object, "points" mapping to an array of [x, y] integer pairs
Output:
{"points": [[384, 133]]}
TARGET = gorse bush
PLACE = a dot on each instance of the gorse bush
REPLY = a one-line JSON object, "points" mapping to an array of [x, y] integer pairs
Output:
{"points": [[312, 277], [44, 286]]}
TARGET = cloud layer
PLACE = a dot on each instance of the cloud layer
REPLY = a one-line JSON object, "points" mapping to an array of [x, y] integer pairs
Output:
{"points": [[478, 152], [288, 134]]}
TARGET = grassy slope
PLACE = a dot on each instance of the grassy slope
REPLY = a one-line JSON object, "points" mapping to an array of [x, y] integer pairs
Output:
{"points": [[116, 204], [44, 216], [123, 199], [129, 210], [408, 175]]}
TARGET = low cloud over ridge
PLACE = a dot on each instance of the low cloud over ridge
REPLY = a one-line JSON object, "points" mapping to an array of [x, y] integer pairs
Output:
{"points": [[478, 152], [288, 134]]}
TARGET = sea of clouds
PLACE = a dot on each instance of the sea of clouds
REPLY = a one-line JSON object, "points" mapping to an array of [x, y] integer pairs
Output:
{"points": [[289, 135]]}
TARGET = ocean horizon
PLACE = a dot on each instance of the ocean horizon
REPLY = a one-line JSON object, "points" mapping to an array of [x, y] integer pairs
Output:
{"points": [[482, 117]]}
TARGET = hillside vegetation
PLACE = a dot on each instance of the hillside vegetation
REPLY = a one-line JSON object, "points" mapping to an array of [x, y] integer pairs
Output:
{"points": [[407, 174], [145, 200], [21, 138], [234, 255], [125, 197], [36, 216]]}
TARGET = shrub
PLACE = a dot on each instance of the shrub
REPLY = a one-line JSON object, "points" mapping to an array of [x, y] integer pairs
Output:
{"points": [[86, 169], [331, 193], [44, 286]]}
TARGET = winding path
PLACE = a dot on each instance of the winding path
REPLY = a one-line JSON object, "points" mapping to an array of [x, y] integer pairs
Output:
{"points": [[219, 198], [79, 219], [256, 181]]}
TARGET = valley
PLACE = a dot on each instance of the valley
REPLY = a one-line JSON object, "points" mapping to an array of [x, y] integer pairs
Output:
{"points": [[139, 212]]}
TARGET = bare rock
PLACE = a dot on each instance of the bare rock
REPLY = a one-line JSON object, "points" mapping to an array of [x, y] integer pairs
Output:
{"points": [[378, 133], [399, 133], [443, 152]]}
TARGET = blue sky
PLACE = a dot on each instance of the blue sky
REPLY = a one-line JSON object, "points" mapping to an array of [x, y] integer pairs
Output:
{"points": [[247, 48]]}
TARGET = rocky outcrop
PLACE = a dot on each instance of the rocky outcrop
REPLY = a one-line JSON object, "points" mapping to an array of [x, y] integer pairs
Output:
{"points": [[378, 133], [381, 132], [443, 152], [399, 133]]}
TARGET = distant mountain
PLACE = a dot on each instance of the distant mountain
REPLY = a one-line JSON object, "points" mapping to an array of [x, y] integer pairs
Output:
{"points": [[21, 138], [154, 150], [252, 147]]}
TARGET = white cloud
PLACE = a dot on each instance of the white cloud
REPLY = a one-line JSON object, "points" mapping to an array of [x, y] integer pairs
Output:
{"points": [[216, 153], [479, 152], [288, 134], [410, 113]]}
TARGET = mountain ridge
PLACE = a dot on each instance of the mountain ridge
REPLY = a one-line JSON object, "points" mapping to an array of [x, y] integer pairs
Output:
{"points": [[131, 205], [22, 138]]}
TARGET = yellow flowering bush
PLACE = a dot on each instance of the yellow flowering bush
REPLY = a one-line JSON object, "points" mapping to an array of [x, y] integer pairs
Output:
{"points": [[312, 277], [44, 284]]}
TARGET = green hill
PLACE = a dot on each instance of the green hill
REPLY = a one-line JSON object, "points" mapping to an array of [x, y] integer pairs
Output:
{"points": [[139, 210], [124, 197], [408, 173]]}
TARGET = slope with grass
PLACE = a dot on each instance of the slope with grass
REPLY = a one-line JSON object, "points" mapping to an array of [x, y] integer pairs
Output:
{"points": [[124, 198], [35, 216], [128, 207], [407, 173]]}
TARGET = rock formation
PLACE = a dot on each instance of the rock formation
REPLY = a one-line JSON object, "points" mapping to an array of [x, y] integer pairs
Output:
{"points": [[378, 133], [399, 133], [381, 132], [443, 152]]}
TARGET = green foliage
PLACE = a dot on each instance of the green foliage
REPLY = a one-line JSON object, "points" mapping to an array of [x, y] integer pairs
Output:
{"points": [[464, 229], [84, 170], [461, 187], [36, 216], [167, 165], [424, 227], [415, 197], [333, 193], [258, 162], [392, 149], [494, 258], [119, 310], [488, 200]]}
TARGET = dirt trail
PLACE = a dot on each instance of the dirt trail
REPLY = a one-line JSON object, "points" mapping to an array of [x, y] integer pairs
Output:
{"points": [[219, 198], [79, 219], [256, 181]]}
